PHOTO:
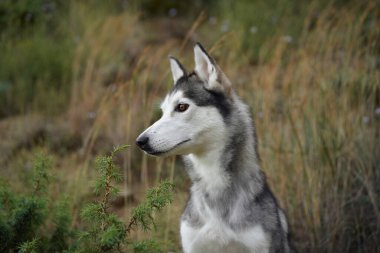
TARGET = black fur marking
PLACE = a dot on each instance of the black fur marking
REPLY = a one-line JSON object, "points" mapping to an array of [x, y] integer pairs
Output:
{"points": [[194, 89], [267, 202]]}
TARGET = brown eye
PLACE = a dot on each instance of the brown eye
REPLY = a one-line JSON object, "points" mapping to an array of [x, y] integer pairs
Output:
{"points": [[181, 107]]}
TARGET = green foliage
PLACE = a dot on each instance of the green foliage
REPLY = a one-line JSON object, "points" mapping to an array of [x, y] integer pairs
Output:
{"points": [[257, 21], [62, 232], [23, 215], [41, 167], [147, 246], [151, 8], [36, 55], [35, 223], [37, 73], [29, 246], [23, 16], [156, 199], [105, 231]]}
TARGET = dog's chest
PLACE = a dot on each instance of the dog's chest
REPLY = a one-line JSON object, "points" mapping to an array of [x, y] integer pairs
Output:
{"points": [[216, 238], [215, 235]]}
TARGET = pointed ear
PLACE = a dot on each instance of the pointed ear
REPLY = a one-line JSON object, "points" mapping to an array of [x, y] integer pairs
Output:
{"points": [[209, 72], [177, 69]]}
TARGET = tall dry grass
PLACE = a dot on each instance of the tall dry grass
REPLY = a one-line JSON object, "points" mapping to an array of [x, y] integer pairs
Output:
{"points": [[316, 105], [320, 131]]}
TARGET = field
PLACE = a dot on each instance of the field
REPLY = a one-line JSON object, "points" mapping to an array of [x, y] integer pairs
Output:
{"points": [[78, 78]]}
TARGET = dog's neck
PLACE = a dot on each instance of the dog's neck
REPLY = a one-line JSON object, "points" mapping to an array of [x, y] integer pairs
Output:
{"points": [[216, 168], [208, 170]]}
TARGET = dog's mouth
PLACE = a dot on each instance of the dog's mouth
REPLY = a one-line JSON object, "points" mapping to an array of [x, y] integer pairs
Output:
{"points": [[159, 153]]}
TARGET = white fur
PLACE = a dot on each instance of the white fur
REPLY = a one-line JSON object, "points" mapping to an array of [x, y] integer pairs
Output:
{"points": [[203, 66], [284, 223], [197, 124], [209, 72], [176, 69], [206, 163], [206, 70], [214, 237]]}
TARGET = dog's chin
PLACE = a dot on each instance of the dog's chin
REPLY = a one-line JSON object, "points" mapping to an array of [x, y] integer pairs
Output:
{"points": [[158, 153], [177, 149]]}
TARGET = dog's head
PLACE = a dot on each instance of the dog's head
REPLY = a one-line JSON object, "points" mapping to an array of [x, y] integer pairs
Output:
{"points": [[193, 113]]}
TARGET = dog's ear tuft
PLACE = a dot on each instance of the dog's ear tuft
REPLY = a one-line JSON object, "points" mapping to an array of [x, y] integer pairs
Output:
{"points": [[177, 69], [209, 71]]}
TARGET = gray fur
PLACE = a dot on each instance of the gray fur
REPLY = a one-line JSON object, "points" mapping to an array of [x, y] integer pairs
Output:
{"points": [[247, 180], [259, 204]]}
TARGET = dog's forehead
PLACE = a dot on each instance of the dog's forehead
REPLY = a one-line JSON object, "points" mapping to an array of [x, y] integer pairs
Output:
{"points": [[192, 89], [172, 98]]}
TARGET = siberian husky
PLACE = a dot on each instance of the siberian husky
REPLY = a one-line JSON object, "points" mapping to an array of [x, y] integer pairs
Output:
{"points": [[230, 208]]}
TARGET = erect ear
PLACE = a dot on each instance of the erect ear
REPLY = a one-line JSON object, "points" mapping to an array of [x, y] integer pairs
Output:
{"points": [[177, 69], [209, 72]]}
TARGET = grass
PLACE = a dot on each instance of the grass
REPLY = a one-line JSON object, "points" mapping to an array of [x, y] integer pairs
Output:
{"points": [[315, 100]]}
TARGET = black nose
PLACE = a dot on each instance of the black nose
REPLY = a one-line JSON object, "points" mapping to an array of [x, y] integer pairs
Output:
{"points": [[142, 142]]}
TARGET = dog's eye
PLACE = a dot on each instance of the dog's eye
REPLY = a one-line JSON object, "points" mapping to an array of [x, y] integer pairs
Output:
{"points": [[181, 107]]}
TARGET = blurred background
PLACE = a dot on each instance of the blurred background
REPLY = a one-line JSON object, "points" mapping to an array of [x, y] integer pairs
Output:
{"points": [[79, 77]]}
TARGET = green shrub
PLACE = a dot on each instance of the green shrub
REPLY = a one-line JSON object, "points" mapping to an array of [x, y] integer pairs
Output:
{"points": [[23, 215], [27, 223]]}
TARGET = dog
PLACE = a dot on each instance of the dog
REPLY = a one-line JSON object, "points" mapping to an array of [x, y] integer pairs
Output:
{"points": [[230, 207]]}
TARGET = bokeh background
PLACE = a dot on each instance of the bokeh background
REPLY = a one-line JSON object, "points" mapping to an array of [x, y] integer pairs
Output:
{"points": [[79, 77]]}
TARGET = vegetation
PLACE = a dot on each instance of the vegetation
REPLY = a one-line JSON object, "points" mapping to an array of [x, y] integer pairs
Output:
{"points": [[83, 76], [26, 225]]}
